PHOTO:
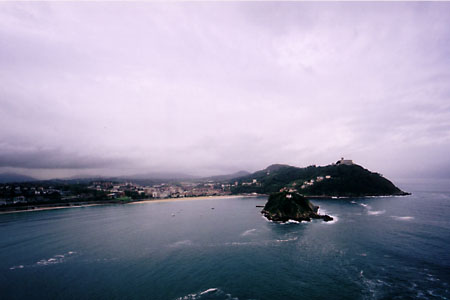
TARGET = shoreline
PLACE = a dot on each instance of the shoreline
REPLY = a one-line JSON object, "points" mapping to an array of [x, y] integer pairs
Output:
{"points": [[354, 197], [41, 208], [143, 201], [21, 209]]}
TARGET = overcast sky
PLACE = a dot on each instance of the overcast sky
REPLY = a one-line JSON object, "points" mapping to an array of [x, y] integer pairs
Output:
{"points": [[209, 88]]}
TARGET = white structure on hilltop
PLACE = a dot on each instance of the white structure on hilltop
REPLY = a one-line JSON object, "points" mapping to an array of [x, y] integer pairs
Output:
{"points": [[344, 162]]}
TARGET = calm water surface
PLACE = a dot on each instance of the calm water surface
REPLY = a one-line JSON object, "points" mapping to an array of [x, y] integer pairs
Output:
{"points": [[379, 248]]}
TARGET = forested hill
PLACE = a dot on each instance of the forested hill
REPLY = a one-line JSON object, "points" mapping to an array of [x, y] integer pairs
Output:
{"points": [[332, 180]]}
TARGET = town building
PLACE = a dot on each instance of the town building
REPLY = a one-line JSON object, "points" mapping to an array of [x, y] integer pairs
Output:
{"points": [[343, 161]]}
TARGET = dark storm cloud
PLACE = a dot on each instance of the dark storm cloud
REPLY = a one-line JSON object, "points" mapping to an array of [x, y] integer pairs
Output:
{"points": [[54, 159]]}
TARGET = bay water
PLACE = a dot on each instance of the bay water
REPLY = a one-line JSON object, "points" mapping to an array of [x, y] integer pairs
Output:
{"points": [[222, 248]]}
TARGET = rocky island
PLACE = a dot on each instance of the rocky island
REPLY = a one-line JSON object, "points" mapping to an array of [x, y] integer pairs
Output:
{"points": [[285, 206]]}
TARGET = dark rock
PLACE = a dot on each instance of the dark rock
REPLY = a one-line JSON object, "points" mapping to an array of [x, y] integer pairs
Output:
{"points": [[327, 218], [284, 206]]}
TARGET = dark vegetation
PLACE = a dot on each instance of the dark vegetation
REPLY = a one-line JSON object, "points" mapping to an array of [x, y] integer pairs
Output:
{"points": [[346, 180], [47, 193]]}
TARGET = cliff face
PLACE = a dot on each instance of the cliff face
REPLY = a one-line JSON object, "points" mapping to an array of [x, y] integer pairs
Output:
{"points": [[284, 206]]}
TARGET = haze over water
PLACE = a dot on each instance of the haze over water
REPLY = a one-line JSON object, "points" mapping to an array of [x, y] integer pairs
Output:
{"points": [[377, 248]]}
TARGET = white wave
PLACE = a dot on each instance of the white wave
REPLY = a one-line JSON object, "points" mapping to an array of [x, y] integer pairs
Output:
{"points": [[434, 294], [56, 259], [50, 261], [287, 240], [238, 243], [375, 212], [248, 232], [282, 223], [208, 291], [372, 286], [289, 222], [106, 259], [243, 243], [264, 217], [430, 277], [363, 204], [182, 243], [207, 294], [405, 218], [292, 222], [324, 212], [17, 267], [335, 219], [354, 202]]}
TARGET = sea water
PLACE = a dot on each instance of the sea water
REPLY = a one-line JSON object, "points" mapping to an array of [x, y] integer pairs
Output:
{"points": [[376, 248]]}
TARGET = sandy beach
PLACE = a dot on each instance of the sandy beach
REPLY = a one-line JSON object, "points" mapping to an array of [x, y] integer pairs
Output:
{"points": [[145, 201], [50, 208], [190, 198]]}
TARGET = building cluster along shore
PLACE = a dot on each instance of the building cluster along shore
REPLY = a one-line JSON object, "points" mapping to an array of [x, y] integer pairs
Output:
{"points": [[30, 193], [340, 179], [162, 190]]}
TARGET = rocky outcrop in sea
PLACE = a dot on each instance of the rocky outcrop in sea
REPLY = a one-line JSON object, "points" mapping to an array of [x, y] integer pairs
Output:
{"points": [[285, 206]]}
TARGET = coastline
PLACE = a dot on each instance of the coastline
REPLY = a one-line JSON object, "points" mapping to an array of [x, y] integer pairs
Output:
{"points": [[354, 197], [190, 198], [42, 207], [141, 201]]}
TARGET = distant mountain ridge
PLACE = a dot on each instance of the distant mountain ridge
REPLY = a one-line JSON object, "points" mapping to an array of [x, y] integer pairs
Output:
{"points": [[143, 178], [14, 177], [227, 176], [339, 180]]}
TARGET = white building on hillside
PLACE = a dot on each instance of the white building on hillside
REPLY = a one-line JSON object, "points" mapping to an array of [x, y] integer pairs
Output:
{"points": [[344, 161]]}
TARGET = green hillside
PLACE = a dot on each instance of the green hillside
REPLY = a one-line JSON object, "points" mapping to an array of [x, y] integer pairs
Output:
{"points": [[332, 180]]}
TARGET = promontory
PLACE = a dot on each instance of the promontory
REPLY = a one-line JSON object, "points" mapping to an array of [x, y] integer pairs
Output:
{"points": [[341, 179]]}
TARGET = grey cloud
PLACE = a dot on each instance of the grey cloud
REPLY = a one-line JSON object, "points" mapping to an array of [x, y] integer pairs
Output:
{"points": [[208, 88], [55, 159]]}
